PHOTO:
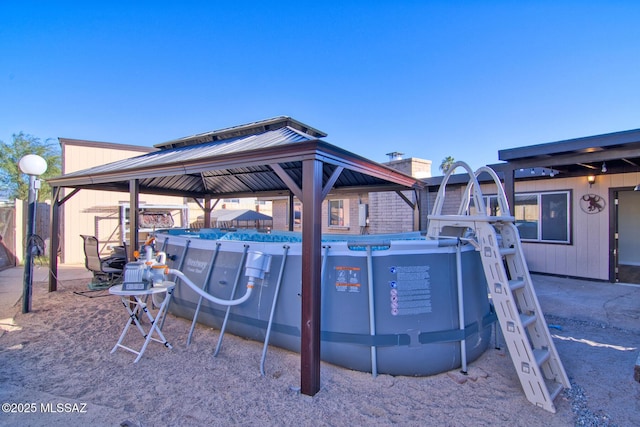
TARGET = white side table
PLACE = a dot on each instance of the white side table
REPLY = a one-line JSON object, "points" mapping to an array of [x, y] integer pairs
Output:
{"points": [[140, 305]]}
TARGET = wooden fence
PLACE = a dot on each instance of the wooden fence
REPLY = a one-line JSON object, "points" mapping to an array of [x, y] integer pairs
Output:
{"points": [[13, 230]]}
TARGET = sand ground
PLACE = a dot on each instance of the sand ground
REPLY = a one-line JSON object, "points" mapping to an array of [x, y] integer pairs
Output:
{"points": [[55, 362]]}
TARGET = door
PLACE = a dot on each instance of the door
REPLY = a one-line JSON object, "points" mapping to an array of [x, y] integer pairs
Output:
{"points": [[627, 230]]}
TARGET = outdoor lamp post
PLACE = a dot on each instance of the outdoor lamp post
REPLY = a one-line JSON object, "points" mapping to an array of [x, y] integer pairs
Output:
{"points": [[34, 166]]}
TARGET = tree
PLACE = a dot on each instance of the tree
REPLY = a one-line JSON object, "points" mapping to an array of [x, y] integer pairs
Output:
{"points": [[16, 183], [446, 163]]}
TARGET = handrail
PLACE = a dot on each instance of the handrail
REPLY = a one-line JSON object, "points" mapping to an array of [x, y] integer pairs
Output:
{"points": [[477, 195], [472, 190], [501, 196]]}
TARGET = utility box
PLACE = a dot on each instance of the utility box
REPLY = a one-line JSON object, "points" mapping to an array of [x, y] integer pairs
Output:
{"points": [[363, 214]]}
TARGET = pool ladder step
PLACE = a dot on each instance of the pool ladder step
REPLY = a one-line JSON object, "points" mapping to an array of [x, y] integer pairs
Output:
{"points": [[496, 238], [526, 333]]}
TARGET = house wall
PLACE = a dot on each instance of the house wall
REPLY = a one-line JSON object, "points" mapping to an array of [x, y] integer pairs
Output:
{"points": [[79, 155], [388, 212], [351, 205], [588, 253], [279, 211]]}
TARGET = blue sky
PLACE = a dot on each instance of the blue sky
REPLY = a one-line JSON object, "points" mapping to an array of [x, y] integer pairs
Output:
{"points": [[427, 78]]}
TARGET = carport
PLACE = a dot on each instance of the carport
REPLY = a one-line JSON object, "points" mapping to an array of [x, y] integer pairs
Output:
{"points": [[274, 157]]}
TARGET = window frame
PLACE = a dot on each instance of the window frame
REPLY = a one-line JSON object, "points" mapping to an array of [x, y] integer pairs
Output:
{"points": [[540, 205], [343, 215]]}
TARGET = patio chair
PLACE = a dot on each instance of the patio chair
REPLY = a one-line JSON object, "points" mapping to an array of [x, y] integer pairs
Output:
{"points": [[106, 271]]}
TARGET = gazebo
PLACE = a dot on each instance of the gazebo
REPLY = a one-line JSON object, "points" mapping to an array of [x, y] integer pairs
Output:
{"points": [[274, 157], [237, 218]]}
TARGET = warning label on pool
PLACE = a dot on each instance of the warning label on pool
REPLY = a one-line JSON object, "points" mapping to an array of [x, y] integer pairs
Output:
{"points": [[348, 279], [410, 293]]}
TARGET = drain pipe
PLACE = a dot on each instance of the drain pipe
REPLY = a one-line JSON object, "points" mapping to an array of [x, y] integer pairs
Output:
{"points": [[204, 287], [273, 310], [461, 322], [233, 291]]}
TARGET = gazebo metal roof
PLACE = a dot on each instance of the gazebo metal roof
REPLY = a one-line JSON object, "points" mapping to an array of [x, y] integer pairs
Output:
{"points": [[239, 166]]}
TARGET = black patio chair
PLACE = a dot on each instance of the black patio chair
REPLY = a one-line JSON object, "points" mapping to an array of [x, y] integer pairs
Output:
{"points": [[106, 271]]}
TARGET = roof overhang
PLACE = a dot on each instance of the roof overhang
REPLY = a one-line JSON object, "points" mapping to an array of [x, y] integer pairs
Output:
{"points": [[618, 152]]}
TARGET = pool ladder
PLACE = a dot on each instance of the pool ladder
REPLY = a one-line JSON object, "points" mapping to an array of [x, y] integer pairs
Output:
{"points": [[523, 326]]}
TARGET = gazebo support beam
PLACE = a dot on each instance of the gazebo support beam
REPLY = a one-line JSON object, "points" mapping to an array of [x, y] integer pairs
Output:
{"points": [[54, 226], [54, 232], [311, 276]]}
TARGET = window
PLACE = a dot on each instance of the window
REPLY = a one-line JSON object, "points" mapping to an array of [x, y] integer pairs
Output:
{"points": [[491, 203], [527, 214], [540, 217], [336, 213], [543, 217]]}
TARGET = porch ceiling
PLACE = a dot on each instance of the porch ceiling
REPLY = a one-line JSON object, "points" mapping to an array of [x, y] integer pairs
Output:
{"points": [[619, 152]]}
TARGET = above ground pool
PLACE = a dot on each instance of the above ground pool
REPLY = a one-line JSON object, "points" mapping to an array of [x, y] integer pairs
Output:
{"points": [[411, 284]]}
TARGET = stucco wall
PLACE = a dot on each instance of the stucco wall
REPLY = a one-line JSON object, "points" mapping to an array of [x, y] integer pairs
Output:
{"points": [[79, 155]]}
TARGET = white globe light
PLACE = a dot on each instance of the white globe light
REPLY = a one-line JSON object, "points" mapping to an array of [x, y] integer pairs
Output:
{"points": [[32, 164]]}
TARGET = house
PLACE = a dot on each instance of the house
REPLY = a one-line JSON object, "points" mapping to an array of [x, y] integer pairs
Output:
{"points": [[365, 211], [575, 204]]}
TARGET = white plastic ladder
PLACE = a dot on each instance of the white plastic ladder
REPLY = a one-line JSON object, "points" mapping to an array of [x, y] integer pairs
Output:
{"points": [[497, 239]]}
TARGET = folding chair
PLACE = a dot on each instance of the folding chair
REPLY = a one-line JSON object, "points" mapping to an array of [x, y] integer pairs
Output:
{"points": [[106, 272]]}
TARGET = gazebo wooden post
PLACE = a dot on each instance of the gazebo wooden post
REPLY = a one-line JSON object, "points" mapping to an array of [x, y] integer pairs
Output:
{"points": [[311, 276], [54, 232], [54, 235], [207, 211], [292, 214]]}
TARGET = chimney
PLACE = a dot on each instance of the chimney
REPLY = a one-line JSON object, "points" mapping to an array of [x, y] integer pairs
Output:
{"points": [[395, 155]]}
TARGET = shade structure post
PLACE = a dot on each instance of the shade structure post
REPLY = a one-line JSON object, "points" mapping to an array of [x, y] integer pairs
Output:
{"points": [[54, 224], [311, 276]]}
